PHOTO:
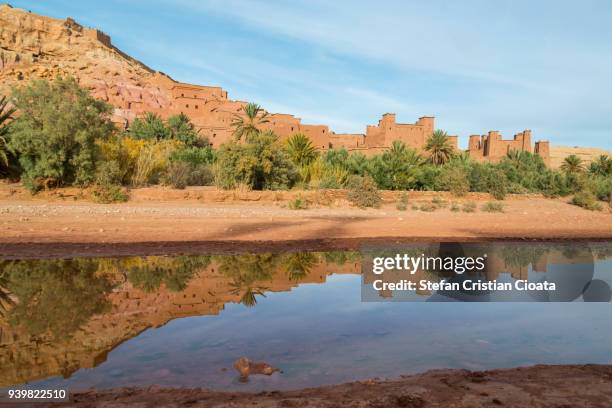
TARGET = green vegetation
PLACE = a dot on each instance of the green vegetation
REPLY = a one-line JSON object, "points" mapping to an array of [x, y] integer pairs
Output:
{"points": [[260, 163], [428, 207], [492, 206], [248, 124], [5, 115], [362, 192], [439, 147], [469, 207], [298, 203], [586, 199], [62, 136], [402, 204], [55, 134]]}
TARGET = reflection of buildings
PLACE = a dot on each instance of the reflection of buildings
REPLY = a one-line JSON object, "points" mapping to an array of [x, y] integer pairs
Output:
{"points": [[28, 358]]}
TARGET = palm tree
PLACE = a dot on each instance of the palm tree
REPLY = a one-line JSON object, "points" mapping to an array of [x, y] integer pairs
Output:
{"points": [[5, 115], [248, 123], [572, 164], [300, 149], [439, 148], [602, 166]]}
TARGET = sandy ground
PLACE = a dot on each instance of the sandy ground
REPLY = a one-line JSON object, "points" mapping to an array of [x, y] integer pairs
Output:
{"points": [[537, 386], [177, 221]]}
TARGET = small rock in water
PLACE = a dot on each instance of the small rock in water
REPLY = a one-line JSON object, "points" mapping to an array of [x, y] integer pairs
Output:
{"points": [[247, 367]]}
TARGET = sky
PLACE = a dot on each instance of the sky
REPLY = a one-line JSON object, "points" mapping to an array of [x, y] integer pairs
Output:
{"points": [[474, 65]]}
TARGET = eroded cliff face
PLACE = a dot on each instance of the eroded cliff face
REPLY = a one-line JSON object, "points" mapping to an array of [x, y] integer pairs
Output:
{"points": [[39, 47]]}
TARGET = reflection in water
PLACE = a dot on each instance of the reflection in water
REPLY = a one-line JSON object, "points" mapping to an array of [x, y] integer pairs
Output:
{"points": [[60, 316]]}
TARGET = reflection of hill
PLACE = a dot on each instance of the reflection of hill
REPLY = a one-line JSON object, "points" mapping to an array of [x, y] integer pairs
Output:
{"points": [[124, 297]]}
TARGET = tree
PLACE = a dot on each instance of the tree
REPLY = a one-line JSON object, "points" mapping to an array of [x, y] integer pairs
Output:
{"points": [[259, 164], [150, 127], [248, 124], [181, 129], [439, 148], [56, 131], [601, 166], [5, 115], [300, 149], [396, 168], [572, 164]]}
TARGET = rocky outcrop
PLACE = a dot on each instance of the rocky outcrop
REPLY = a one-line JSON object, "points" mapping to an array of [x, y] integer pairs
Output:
{"points": [[39, 47]]}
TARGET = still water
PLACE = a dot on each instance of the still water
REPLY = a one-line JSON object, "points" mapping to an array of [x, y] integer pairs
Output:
{"points": [[184, 320]]}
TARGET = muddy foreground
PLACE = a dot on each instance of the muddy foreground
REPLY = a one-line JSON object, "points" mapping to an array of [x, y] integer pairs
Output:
{"points": [[196, 220], [537, 386]]}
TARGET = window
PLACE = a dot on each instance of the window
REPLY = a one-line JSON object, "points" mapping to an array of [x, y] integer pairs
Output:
{"points": [[187, 105], [196, 106], [182, 95]]}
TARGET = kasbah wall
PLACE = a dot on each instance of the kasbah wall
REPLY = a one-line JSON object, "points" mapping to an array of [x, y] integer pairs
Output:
{"points": [[212, 113]]}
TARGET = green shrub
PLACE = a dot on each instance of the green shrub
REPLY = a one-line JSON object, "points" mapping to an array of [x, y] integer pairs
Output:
{"points": [[428, 207], [492, 206], [363, 192], [298, 204], [109, 193], [455, 179], [259, 164], [469, 207], [497, 184], [55, 133], [600, 186], [402, 204], [396, 168], [439, 203], [455, 207], [587, 200], [177, 175], [193, 155]]}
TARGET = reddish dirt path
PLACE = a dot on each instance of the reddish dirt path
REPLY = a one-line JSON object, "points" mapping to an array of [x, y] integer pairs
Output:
{"points": [[72, 227]]}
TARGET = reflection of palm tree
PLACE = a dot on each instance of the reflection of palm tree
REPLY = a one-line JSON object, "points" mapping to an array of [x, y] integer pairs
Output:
{"points": [[6, 300], [299, 264], [248, 297]]}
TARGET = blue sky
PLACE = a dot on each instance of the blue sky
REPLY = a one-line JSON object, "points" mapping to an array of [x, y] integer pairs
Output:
{"points": [[475, 65]]}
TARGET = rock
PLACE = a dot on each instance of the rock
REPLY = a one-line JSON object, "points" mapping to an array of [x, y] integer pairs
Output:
{"points": [[247, 367]]}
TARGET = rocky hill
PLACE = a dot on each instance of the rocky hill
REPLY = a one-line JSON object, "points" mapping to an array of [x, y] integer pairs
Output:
{"points": [[35, 47]]}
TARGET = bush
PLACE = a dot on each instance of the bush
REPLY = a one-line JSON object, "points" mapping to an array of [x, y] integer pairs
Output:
{"points": [[497, 184], [55, 132], [152, 161], [298, 204], [177, 175], [105, 194], [363, 192], [455, 207], [587, 200], [438, 202], [469, 207], [402, 204], [455, 179], [428, 207], [259, 164], [492, 206]]}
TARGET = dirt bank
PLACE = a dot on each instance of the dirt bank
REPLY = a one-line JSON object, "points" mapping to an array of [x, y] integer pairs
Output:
{"points": [[159, 221], [537, 386]]}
